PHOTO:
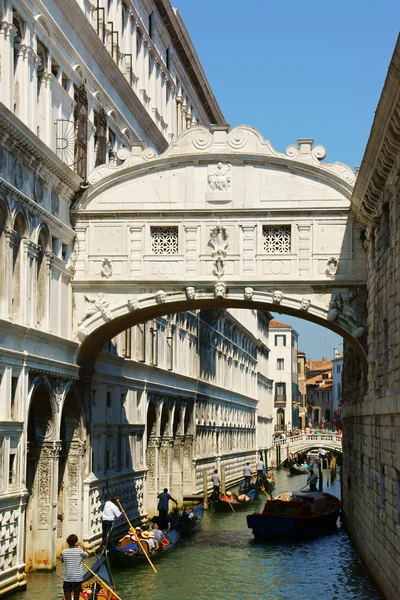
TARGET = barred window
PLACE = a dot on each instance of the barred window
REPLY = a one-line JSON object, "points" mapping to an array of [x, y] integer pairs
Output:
{"points": [[277, 239], [164, 240]]}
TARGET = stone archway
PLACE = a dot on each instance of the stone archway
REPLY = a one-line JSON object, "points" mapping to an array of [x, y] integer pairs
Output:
{"points": [[42, 457]]}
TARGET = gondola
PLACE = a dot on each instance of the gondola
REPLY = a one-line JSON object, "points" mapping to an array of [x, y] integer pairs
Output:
{"points": [[231, 503], [94, 588], [245, 489], [192, 524], [296, 469], [296, 515], [267, 482], [122, 557]]}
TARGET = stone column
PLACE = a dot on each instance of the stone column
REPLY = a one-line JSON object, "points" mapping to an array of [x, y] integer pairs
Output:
{"points": [[136, 250], [304, 249], [153, 450], [248, 257], [192, 251], [188, 471], [7, 35]]}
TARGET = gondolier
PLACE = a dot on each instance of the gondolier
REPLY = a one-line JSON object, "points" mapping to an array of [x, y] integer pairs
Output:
{"points": [[110, 513], [260, 467], [312, 481], [247, 474], [163, 502], [216, 484]]}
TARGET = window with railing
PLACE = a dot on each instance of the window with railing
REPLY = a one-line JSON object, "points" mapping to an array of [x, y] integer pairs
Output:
{"points": [[280, 392], [277, 239]]}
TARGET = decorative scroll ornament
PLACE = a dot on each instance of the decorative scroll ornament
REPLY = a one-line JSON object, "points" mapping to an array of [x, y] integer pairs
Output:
{"points": [[161, 297], [332, 267], [219, 180], [107, 267], [99, 304], [277, 297], [340, 309], [219, 244], [190, 293], [248, 293], [219, 290]]}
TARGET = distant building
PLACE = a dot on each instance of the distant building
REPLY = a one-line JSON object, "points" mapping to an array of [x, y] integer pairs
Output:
{"points": [[301, 382], [319, 392], [283, 371], [337, 388]]}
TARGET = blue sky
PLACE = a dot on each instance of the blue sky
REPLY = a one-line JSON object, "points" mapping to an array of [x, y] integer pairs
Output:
{"points": [[298, 69]]}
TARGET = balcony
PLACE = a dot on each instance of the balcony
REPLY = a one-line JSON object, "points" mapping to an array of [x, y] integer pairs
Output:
{"points": [[280, 398]]}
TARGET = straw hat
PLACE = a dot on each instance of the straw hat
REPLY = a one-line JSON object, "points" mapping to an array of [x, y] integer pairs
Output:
{"points": [[147, 534], [229, 494]]}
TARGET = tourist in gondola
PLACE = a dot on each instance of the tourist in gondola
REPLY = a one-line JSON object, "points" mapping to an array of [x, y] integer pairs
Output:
{"points": [[312, 481], [260, 467], [72, 558], [158, 535], [110, 513], [163, 502], [247, 474], [216, 485]]}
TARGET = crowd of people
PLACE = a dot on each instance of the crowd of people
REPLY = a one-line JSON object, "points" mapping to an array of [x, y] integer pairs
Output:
{"points": [[306, 431]]}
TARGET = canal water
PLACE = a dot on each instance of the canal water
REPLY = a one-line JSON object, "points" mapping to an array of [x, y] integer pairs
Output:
{"points": [[222, 561]]}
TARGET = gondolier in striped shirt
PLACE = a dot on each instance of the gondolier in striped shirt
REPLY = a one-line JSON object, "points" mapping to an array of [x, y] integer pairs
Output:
{"points": [[72, 558]]}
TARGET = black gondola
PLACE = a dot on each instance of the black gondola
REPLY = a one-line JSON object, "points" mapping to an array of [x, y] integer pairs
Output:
{"points": [[125, 555], [192, 524], [296, 469], [92, 587], [267, 482], [245, 489], [232, 503]]}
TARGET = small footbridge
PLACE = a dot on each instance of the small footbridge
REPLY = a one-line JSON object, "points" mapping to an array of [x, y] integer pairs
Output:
{"points": [[305, 442]]}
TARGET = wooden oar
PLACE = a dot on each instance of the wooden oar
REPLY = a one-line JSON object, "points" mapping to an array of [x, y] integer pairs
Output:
{"points": [[137, 538], [103, 583], [262, 488], [282, 486]]}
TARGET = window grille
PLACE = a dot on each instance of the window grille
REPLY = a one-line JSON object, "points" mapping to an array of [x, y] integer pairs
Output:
{"points": [[277, 239], [164, 240]]}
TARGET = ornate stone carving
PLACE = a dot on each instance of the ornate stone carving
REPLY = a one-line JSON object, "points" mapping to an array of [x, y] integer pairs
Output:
{"points": [[98, 304], [219, 244], [219, 179], [190, 293], [305, 303], [133, 304], [55, 203], [219, 290], [82, 333], [277, 297], [107, 267], [332, 267], [248, 293], [161, 297], [340, 309]]}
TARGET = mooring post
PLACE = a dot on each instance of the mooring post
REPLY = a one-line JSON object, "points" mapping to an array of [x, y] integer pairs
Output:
{"points": [[222, 480], [205, 493]]}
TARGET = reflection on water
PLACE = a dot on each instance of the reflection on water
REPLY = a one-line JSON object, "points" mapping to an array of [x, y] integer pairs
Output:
{"points": [[222, 561]]}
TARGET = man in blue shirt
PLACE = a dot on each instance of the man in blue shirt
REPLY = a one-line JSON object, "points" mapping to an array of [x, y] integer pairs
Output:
{"points": [[163, 501]]}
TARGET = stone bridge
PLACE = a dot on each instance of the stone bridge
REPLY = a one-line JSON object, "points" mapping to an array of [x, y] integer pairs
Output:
{"points": [[305, 442], [220, 219]]}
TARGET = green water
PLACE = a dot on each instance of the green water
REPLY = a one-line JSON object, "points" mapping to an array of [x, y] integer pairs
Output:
{"points": [[222, 561]]}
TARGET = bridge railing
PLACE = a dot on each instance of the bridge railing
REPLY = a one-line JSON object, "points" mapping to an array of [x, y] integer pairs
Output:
{"points": [[309, 437]]}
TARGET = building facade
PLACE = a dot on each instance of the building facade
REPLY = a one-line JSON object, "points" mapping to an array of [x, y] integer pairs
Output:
{"points": [[371, 398], [319, 392], [337, 388], [284, 373], [301, 381]]}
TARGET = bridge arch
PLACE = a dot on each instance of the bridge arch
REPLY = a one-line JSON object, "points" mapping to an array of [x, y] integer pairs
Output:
{"points": [[219, 219]]}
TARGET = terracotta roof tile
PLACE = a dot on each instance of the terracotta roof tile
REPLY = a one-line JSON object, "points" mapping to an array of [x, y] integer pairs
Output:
{"points": [[278, 324]]}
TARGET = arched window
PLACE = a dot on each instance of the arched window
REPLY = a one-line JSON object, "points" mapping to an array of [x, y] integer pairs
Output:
{"points": [[41, 288], [17, 259], [280, 416]]}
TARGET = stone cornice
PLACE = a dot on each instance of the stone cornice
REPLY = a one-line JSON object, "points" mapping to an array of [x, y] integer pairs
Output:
{"points": [[36, 209], [383, 146], [187, 54], [88, 36], [16, 134]]}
